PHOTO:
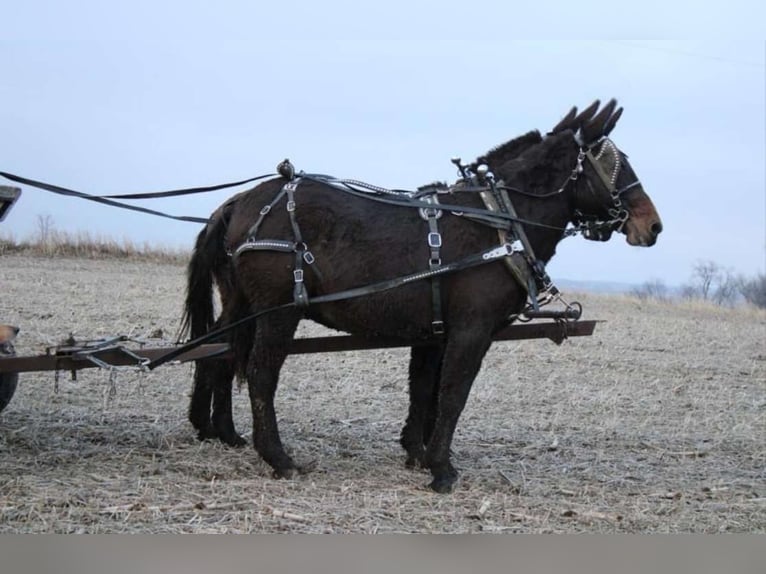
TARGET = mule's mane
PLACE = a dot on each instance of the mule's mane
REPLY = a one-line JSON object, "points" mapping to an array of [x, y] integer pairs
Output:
{"points": [[540, 168], [509, 150]]}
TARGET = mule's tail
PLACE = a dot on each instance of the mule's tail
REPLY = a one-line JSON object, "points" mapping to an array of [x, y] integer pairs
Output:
{"points": [[207, 261]]}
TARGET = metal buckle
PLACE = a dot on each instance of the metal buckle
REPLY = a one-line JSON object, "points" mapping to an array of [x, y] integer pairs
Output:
{"points": [[266, 209], [290, 206], [578, 168], [308, 257], [434, 239], [622, 219], [437, 327], [298, 275]]}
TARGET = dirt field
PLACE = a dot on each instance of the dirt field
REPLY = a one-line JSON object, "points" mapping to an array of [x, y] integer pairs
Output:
{"points": [[657, 423]]}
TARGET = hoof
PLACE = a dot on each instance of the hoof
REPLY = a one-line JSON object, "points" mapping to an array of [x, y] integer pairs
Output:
{"points": [[230, 439], [233, 440], [206, 433], [443, 485], [287, 473]]}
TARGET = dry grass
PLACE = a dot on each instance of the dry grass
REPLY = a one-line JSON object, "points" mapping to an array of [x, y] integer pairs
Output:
{"points": [[654, 424], [82, 244]]}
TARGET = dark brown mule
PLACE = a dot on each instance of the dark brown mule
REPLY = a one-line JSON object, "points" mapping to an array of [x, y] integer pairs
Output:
{"points": [[211, 265], [357, 242]]}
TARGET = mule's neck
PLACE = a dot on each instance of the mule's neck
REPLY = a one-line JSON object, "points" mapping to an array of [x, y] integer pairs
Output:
{"points": [[540, 172]]}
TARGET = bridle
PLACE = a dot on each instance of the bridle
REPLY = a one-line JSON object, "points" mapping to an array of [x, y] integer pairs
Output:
{"points": [[592, 226]]}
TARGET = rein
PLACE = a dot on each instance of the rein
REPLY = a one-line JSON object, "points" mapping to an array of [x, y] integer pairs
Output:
{"points": [[351, 186], [109, 199]]}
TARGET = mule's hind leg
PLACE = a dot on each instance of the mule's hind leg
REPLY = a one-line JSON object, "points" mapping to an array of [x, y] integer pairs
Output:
{"points": [[425, 369], [222, 420], [273, 335], [202, 395], [199, 405], [462, 360], [213, 381]]}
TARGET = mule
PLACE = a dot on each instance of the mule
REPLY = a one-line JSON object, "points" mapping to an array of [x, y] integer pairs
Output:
{"points": [[356, 242]]}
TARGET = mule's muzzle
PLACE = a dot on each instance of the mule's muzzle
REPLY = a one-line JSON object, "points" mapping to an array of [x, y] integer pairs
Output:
{"points": [[643, 235]]}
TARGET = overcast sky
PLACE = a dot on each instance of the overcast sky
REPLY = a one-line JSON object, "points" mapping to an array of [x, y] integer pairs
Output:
{"points": [[106, 97]]}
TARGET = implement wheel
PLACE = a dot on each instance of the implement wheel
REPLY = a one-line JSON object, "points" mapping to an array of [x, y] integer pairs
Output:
{"points": [[8, 381]]}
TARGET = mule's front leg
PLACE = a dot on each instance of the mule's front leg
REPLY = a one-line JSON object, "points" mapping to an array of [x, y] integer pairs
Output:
{"points": [[273, 336], [462, 359], [425, 366]]}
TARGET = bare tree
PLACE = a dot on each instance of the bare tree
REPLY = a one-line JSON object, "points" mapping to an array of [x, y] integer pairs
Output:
{"points": [[712, 282], [754, 290], [44, 229], [704, 275], [726, 289]]}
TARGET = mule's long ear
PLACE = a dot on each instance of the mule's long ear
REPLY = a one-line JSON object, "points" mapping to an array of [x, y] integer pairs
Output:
{"points": [[612, 121], [586, 114], [566, 123], [594, 129]]}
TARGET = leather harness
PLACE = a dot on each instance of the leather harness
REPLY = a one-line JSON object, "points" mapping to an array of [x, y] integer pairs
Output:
{"points": [[514, 247]]}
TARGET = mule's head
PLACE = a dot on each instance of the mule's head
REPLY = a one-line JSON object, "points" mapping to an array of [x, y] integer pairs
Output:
{"points": [[608, 195], [7, 335]]}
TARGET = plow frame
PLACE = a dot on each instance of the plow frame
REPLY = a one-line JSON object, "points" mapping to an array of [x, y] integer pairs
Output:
{"points": [[116, 352]]}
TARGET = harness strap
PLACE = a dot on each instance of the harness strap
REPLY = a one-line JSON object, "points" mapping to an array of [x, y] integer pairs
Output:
{"points": [[300, 295], [498, 220], [298, 246], [434, 240], [517, 264], [253, 231]]}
